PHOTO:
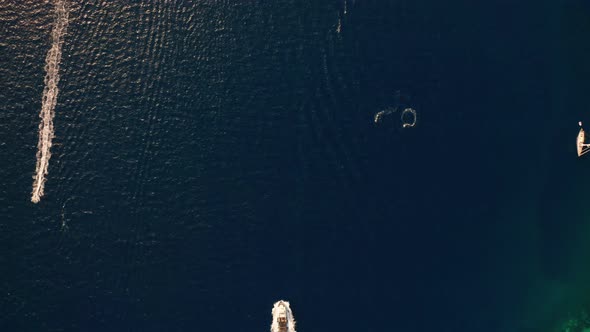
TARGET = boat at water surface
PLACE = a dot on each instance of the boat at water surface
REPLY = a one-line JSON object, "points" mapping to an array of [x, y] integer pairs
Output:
{"points": [[282, 318]]}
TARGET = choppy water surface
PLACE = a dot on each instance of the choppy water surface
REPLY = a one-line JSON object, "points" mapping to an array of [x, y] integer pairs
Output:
{"points": [[210, 157]]}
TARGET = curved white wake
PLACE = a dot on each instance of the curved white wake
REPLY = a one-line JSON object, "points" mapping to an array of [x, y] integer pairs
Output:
{"points": [[49, 99], [282, 318]]}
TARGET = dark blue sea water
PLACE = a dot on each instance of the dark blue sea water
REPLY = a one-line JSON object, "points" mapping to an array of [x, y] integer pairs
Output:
{"points": [[213, 157]]}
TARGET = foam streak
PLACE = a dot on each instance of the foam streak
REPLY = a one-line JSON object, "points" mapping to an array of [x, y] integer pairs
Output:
{"points": [[49, 100]]}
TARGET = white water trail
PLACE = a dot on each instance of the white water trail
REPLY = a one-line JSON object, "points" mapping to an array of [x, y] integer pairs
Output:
{"points": [[379, 115], [282, 310], [49, 100], [405, 122]]}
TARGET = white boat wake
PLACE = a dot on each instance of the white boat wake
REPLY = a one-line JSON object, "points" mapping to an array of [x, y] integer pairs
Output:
{"points": [[406, 122], [282, 318], [49, 100]]}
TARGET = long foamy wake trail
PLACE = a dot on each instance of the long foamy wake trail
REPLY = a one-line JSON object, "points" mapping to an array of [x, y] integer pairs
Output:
{"points": [[282, 318], [49, 99]]}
